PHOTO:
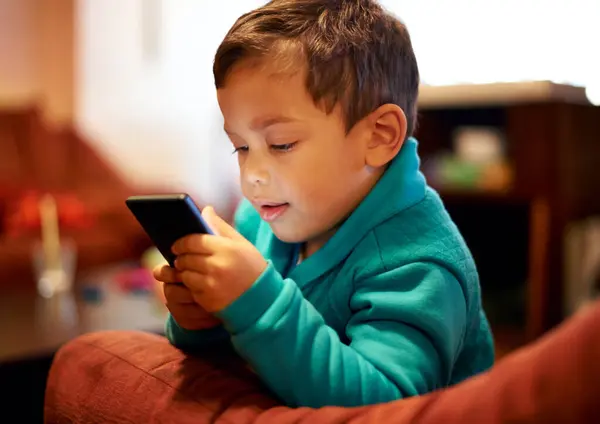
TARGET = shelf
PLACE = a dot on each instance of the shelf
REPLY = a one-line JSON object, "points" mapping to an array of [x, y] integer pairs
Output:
{"points": [[551, 133], [479, 196], [499, 94]]}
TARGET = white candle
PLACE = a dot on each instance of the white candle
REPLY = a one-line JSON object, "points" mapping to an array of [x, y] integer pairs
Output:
{"points": [[50, 232]]}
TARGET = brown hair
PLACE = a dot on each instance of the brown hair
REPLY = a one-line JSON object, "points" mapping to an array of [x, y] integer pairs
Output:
{"points": [[356, 53]]}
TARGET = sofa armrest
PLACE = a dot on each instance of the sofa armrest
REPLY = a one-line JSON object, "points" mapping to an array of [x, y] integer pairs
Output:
{"points": [[130, 377], [135, 377]]}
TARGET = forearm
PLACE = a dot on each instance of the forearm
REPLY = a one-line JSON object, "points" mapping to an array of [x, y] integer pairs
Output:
{"points": [[312, 367], [287, 342], [397, 348]]}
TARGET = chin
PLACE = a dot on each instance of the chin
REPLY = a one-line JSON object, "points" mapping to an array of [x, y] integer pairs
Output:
{"points": [[288, 235]]}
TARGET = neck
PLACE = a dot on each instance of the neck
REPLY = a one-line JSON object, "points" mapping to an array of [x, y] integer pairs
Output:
{"points": [[311, 246]]}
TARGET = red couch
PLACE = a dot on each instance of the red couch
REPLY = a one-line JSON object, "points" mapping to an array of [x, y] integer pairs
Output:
{"points": [[128, 377]]}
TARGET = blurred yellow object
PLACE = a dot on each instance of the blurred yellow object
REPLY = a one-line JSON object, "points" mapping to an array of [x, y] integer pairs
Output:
{"points": [[151, 259]]}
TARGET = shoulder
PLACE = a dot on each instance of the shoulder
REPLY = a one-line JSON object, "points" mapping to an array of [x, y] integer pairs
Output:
{"points": [[423, 233]]}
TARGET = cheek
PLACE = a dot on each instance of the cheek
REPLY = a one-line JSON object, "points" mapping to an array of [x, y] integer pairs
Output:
{"points": [[319, 184], [242, 175]]}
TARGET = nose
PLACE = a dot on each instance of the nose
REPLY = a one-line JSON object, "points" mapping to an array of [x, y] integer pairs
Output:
{"points": [[256, 170]]}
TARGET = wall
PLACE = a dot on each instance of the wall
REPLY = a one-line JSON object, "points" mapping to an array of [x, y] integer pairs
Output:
{"points": [[155, 113], [479, 41], [57, 56], [37, 56], [19, 78]]}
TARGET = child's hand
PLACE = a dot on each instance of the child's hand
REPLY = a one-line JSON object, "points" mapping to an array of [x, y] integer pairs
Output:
{"points": [[181, 304], [217, 269]]}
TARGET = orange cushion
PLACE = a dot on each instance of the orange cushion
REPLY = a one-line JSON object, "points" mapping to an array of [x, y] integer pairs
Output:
{"points": [[125, 377]]}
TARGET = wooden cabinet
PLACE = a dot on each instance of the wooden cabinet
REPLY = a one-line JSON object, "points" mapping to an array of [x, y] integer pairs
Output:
{"points": [[517, 236]]}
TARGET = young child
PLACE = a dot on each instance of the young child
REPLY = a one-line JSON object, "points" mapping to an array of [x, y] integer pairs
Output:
{"points": [[345, 281]]}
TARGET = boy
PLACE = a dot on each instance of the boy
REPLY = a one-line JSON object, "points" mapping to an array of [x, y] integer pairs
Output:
{"points": [[345, 282]]}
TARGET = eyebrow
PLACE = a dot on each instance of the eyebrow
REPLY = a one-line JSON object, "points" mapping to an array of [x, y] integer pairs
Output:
{"points": [[264, 122]]}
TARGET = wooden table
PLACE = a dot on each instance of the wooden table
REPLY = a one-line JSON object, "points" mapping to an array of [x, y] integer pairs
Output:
{"points": [[33, 327]]}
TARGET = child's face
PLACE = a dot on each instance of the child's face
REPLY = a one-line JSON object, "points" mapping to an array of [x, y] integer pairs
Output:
{"points": [[298, 167]]}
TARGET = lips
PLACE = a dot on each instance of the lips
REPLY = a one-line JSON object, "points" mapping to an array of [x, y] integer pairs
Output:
{"points": [[269, 212]]}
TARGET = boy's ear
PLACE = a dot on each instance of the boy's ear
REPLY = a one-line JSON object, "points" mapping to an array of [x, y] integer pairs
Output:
{"points": [[387, 128]]}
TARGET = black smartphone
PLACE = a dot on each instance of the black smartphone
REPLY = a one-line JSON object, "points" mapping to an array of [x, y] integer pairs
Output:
{"points": [[166, 218]]}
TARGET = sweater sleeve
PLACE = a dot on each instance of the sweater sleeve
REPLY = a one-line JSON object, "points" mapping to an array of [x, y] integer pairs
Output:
{"points": [[405, 331]]}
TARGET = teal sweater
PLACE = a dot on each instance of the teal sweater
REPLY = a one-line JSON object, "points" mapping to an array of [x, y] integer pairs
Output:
{"points": [[388, 308]]}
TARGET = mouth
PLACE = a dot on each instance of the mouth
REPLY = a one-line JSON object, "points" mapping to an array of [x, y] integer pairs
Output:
{"points": [[269, 211]]}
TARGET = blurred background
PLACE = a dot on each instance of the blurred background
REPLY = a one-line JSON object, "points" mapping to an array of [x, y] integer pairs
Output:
{"points": [[101, 99]]}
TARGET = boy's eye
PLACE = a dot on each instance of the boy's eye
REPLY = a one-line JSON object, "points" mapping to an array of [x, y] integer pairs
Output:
{"points": [[283, 147], [240, 149]]}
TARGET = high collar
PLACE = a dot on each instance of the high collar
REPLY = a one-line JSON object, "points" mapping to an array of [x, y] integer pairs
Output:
{"points": [[401, 186]]}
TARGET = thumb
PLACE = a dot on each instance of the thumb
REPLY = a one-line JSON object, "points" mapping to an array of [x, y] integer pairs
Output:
{"points": [[218, 224]]}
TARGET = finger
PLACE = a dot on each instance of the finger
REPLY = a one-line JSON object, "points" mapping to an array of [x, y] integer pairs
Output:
{"points": [[200, 244], [178, 294], [192, 262], [192, 317], [166, 274], [219, 225], [197, 283]]}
